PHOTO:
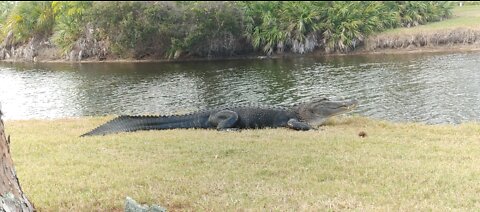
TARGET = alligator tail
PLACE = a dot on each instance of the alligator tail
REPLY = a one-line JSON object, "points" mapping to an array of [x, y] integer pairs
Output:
{"points": [[135, 123]]}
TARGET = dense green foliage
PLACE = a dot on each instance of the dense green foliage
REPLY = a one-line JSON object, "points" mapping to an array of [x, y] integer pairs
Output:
{"points": [[413, 13], [28, 19], [70, 21], [208, 29]]}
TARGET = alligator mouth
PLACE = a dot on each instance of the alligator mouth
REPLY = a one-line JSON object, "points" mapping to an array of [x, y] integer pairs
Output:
{"points": [[335, 108], [344, 108], [349, 105]]}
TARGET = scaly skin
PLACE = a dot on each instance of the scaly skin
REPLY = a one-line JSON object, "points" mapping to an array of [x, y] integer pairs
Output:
{"points": [[299, 117]]}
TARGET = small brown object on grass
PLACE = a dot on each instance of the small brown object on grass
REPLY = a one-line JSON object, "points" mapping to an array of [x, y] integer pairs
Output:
{"points": [[362, 134]]}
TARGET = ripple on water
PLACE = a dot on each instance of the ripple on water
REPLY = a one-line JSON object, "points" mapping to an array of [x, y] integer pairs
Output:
{"points": [[428, 88]]}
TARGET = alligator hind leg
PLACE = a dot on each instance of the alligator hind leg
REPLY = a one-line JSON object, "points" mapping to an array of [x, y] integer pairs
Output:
{"points": [[224, 120]]}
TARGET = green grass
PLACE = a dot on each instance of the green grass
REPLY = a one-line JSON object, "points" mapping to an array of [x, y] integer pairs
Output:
{"points": [[395, 167], [467, 11], [466, 17], [460, 33]]}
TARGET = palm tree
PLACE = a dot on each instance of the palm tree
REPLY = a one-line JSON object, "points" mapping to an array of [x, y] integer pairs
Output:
{"points": [[29, 19]]}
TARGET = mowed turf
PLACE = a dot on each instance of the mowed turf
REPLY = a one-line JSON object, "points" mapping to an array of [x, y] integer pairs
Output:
{"points": [[395, 166], [463, 17], [461, 32]]}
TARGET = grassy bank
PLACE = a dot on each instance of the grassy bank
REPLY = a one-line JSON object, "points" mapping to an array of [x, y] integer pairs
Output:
{"points": [[462, 30], [395, 167]]}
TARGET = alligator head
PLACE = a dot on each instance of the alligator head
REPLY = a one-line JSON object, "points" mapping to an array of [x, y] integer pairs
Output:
{"points": [[316, 112]]}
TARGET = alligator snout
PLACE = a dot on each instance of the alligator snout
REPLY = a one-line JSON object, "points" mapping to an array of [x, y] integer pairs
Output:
{"points": [[353, 103], [350, 104]]}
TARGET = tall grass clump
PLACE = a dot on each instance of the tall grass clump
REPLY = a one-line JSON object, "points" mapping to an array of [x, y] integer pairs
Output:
{"points": [[346, 24], [414, 13], [5, 9], [278, 26]]}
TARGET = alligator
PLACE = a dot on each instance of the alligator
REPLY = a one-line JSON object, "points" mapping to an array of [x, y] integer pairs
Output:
{"points": [[302, 116]]}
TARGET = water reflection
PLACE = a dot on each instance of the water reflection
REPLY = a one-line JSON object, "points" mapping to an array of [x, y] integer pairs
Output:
{"points": [[429, 88]]}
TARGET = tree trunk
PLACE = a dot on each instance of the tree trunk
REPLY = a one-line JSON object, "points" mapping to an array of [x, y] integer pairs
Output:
{"points": [[11, 194]]}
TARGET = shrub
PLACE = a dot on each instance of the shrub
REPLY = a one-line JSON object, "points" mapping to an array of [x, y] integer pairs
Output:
{"points": [[30, 19]]}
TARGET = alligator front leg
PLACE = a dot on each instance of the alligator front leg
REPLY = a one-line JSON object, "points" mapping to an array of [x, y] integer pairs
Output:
{"points": [[223, 120], [298, 125]]}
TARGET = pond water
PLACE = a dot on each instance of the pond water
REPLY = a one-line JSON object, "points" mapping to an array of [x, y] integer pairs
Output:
{"points": [[428, 88]]}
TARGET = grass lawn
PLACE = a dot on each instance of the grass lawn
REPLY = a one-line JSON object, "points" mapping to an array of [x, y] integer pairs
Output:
{"points": [[459, 33], [395, 167], [466, 17]]}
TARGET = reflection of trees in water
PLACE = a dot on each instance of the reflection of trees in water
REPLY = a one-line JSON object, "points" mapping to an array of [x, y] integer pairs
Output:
{"points": [[243, 81], [140, 88]]}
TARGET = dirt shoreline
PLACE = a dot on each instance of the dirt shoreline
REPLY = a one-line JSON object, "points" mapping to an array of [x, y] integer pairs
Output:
{"points": [[361, 51]]}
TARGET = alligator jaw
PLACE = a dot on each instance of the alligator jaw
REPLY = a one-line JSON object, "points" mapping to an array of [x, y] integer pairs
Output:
{"points": [[348, 106], [318, 111]]}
